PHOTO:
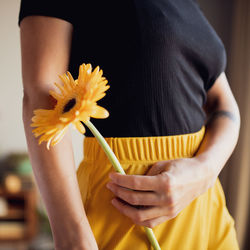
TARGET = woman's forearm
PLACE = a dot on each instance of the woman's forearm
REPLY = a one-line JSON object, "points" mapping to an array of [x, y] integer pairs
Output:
{"points": [[219, 141], [222, 128], [55, 175], [45, 47]]}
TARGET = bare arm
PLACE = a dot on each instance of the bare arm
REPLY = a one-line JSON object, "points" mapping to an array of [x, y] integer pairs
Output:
{"points": [[45, 46], [222, 126]]}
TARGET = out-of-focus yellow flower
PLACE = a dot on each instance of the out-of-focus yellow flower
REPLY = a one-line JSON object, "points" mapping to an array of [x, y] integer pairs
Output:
{"points": [[75, 103]]}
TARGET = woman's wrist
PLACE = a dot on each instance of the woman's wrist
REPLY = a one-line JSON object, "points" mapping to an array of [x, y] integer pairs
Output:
{"points": [[71, 234], [78, 244], [208, 167], [75, 239]]}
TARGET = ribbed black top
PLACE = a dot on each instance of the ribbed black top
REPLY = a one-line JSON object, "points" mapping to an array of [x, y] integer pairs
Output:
{"points": [[159, 56]]}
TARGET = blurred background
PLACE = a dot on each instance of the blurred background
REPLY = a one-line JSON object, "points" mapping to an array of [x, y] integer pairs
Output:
{"points": [[23, 219]]}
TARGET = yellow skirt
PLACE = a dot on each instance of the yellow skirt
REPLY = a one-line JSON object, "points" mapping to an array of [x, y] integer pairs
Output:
{"points": [[204, 224]]}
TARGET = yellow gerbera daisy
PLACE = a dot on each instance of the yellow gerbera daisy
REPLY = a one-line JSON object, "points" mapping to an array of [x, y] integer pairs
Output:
{"points": [[75, 103]]}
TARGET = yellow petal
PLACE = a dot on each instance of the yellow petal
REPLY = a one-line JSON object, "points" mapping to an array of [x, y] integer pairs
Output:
{"points": [[64, 119], [39, 118], [68, 85], [88, 94], [82, 74], [64, 78], [83, 116], [45, 129], [88, 69], [55, 95], [99, 112], [51, 131], [44, 138], [71, 80], [95, 76], [62, 89], [102, 83], [99, 91], [98, 97], [59, 136], [39, 124], [79, 127], [96, 70], [48, 143], [43, 112]]}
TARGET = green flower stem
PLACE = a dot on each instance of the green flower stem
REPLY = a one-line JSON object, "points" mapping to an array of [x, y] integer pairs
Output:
{"points": [[152, 238], [116, 164]]}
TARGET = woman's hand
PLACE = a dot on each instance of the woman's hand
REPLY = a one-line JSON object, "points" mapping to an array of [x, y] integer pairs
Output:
{"points": [[161, 195], [171, 185]]}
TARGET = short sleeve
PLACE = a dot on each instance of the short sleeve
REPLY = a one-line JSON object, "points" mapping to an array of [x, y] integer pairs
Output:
{"points": [[217, 65], [53, 8]]}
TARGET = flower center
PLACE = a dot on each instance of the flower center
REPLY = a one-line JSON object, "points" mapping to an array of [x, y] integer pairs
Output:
{"points": [[69, 105]]}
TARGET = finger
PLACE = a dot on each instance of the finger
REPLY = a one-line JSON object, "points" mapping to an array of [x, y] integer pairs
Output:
{"points": [[138, 215], [156, 168], [136, 182], [161, 219], [133, 197]]}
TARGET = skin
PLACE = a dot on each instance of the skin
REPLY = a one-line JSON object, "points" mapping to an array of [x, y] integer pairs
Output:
{"points": [[171, 185], [45, 47]]}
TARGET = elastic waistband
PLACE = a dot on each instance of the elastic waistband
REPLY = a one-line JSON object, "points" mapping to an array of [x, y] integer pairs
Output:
{"points": [[138, 149]]}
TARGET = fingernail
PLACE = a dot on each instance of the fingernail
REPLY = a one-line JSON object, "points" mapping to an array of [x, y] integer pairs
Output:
{"points": [[108, 185], [111, 176]]}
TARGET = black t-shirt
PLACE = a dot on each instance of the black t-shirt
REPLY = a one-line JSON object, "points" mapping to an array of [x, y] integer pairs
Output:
{"points": [[159, 56]]}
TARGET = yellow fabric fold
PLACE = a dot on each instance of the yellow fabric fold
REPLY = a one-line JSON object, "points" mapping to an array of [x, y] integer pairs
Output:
{"points": [[204, 224]]}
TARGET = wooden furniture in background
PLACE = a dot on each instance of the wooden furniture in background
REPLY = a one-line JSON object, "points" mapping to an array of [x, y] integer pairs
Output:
{"points": [[20, 223]]}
